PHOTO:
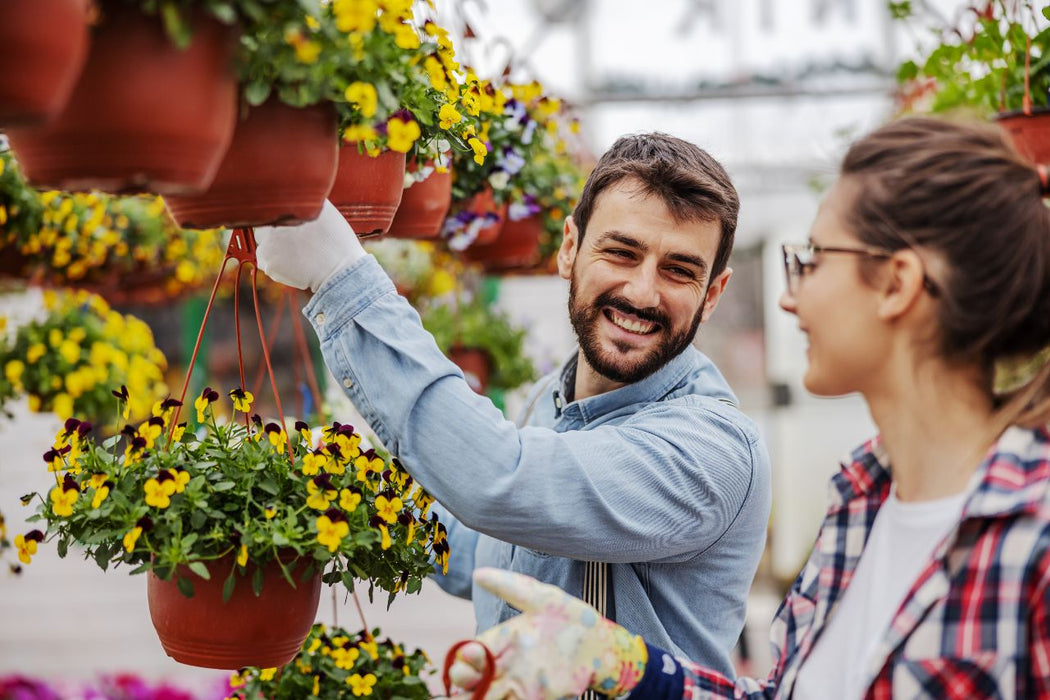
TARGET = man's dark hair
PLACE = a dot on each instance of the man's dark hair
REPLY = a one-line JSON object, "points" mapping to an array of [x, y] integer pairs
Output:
{"points": [[693, 185]]}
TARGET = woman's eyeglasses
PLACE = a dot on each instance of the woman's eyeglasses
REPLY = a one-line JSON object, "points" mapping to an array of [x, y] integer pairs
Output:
{"points": [[799, 260]]}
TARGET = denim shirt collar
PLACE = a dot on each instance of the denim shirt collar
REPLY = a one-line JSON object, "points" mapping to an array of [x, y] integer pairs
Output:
{"points": [[652, 388]]}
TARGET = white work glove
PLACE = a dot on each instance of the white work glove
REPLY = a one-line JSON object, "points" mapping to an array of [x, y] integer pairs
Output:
{"points": [[306, 255], [557, 648]]}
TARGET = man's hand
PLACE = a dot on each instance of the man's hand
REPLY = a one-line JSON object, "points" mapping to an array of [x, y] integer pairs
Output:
{"points": [[557, 648], [306, 255]]}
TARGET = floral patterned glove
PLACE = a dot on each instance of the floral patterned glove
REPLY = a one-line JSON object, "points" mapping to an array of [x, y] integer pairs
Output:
{"points": [[557, 648]]}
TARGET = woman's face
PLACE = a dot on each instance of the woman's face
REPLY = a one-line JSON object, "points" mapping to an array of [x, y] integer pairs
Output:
{"points": [[836, 309]]}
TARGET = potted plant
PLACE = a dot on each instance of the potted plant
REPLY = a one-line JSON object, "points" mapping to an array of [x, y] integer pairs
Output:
{"points": [[126, 249], [446, 125], [39, 68], [399, 89], [994, 60], [282, 161], [67, 361], [543, 192], [235, 520], [482, 341], [154, 106], [335, 663]]}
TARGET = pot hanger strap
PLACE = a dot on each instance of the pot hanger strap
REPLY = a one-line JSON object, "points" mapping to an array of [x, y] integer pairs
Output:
{"points": [[241, 249], [487, 675]]}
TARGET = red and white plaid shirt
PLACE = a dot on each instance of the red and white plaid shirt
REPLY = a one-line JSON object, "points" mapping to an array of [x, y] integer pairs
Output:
{"points": [[975, 624]]}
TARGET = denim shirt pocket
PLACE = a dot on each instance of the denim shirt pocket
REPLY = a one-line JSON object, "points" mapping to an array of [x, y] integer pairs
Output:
{"points": [[539, 565]]}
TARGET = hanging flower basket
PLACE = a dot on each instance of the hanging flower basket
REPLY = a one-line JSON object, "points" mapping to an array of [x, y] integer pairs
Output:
{"points": [[477, 222], [424, 205], [516, 248], [475, 364], [277, 171], [144, 115], [367, 190], [1030, 132], [43, 44], [264, 630]]}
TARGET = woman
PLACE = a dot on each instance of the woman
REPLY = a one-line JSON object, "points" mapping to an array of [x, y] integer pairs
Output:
{"points": [[925, 287]]}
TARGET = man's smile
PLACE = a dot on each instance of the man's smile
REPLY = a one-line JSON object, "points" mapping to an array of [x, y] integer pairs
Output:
{"points": [[630, 323]]}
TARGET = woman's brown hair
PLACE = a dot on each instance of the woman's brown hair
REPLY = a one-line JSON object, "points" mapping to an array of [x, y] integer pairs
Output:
{"points": [[960, 191]]}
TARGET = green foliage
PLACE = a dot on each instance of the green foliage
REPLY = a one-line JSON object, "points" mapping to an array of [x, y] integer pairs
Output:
{"points": [[67, 360], [87, 237], [475, 324], [982, 66], [333, 663], [233, 490]]}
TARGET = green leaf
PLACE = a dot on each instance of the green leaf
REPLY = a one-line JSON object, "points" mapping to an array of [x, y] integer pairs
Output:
{"points": [[269, 486], [224, 486], [908, 70], [200, 569], [257, 581], [197, 519], [228, 587], [185, 586], [224, 12], [63, 547], [1046, 12], [178, 30], [256, 93]]}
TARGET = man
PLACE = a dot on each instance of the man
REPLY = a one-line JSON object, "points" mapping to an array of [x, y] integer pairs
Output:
{"points": [[632, 454]]}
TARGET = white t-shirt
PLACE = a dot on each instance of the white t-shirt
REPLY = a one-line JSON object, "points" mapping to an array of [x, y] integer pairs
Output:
{"points": [[902, 539]]}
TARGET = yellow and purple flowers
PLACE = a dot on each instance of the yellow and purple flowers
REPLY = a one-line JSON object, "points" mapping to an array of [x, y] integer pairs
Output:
{"points": [[158, 495], [335, 663]]}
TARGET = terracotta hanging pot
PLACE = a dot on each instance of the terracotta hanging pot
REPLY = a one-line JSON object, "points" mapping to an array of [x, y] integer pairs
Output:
{"points": [[144, 116], [247, 630], [43, 44], [1029, 132], [516, 248], [475, 364], [424, 206], [277, 171], [367, 190]]}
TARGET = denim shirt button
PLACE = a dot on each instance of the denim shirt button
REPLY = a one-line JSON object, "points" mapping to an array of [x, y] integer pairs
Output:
{"points": [[319, 318], [347, 382]]}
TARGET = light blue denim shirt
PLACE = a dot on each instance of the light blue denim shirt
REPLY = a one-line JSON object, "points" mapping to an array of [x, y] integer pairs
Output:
{"points": [[664, 478]]}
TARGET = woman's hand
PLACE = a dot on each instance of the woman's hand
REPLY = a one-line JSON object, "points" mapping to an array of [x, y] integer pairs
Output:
{"points": [[557, 648]]}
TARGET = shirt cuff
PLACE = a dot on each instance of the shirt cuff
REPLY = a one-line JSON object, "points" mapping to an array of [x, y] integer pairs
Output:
{"points": [[663, 677]]}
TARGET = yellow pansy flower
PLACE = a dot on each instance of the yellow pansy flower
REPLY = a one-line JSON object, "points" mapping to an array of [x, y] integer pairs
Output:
{"points": [[242, 556], [35, 352], [401, 135], [312, 462], [480, 150], [388, 509], [13, 371], [331, 534], [449, 115], [62, 500], [361, 685], [158, 494], [100, 495], [181, 478], [26, 548], [348, 500], [363, 96], [242, 400], [319, 498]]}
